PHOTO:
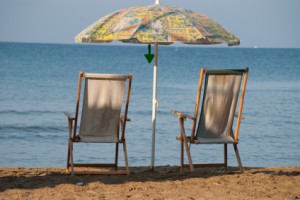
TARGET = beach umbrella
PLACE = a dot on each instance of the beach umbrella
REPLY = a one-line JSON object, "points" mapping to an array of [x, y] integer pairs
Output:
{"points": [[159, 25]]}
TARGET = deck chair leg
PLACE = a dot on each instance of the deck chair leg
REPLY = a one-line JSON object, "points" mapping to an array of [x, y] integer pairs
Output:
{"points": [[238, 157], [70, 123], [181, 155], [116, 156], [68, 156], [225, 157], [188, 155], [126, 157], [71, 157]]}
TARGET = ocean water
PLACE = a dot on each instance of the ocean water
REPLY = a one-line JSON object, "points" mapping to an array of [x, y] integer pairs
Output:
{"points": [[38, 82]]}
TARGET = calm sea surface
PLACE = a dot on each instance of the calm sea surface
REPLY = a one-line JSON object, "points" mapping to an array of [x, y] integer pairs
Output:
{"points": [[38, 82]]}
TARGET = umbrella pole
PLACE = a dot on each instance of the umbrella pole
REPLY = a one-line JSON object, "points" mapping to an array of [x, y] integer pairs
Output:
{"points": [[154, 105]]}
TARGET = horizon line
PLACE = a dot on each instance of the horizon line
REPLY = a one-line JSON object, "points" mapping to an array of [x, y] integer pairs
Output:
{"points": [[119, 43]]}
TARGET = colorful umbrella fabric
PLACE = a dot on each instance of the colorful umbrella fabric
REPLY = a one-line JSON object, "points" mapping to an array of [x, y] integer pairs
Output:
{"points": [[157, 23]]}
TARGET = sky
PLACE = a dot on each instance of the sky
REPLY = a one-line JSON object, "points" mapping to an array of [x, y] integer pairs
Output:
{"points": [[261, 23]]}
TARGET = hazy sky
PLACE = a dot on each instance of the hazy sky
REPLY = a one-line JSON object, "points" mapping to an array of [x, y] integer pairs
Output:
{"points": [[262, 23]]}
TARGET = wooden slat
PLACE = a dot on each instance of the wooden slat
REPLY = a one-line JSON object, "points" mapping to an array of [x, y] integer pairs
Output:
{"points": [[69, 115], [119, 172], [105, 76], [206, 165], [183, 135], [126, 157], [238, 157], [94, 165], [77, 101], [202, 72], [225, 71], [225, 157], [126, 106], [236, 135], [182, 115]]}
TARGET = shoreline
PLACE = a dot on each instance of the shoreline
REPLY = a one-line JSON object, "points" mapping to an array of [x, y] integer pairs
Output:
{"points": [[165, 182]]}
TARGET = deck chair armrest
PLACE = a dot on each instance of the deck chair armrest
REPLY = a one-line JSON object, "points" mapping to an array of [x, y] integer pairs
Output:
{"points": [[69, 115], [122, 118], [182, 115], [236, 115]]}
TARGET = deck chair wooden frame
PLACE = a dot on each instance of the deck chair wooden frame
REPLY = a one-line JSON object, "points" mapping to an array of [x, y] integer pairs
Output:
{"points": [[192, 139], [74, 137]]}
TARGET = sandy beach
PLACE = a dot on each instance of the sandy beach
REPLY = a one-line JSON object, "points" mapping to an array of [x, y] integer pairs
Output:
{"points": [[166, 182]]}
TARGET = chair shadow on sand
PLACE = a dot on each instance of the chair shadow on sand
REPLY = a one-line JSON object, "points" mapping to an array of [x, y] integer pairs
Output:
{"points": [[23, 178]]}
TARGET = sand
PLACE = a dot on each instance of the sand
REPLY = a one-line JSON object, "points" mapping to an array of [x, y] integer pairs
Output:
{"points": [[166, 182]]}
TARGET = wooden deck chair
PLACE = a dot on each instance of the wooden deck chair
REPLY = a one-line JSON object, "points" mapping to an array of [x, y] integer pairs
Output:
{"points": [[101, 117], [223, 90]]}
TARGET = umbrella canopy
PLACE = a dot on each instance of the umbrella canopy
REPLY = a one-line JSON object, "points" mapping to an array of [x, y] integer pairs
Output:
{"points": [[156, 24]]}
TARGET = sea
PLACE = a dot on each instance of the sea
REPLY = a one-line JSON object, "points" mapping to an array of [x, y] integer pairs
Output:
{"points": [[39, 82]]}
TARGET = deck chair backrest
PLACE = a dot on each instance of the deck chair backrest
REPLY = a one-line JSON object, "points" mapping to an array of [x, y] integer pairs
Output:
{"points": [[221, 93], [101, 109]]}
